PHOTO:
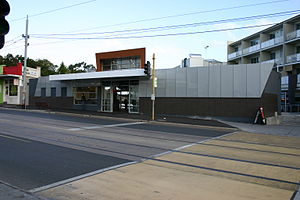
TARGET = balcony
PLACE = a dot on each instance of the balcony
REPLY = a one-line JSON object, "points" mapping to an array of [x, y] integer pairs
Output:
{"points": [[234, 54], [251, 49], [272, 42], [293, 35], [277, 61], [293, 58]]}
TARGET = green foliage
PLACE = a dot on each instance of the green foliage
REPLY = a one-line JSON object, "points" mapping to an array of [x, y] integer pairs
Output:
{"points": [[47, 68]]}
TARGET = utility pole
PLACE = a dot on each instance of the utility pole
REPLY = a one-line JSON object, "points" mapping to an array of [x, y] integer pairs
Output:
{"points": [[153, 88], [26, 36]]}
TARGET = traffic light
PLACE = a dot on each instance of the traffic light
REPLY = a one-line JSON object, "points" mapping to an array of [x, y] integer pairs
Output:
{"points": [[147, 68], [4, 26]]}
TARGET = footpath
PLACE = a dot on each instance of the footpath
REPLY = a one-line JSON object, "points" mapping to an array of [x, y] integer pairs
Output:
{"points": [[255, 162]]}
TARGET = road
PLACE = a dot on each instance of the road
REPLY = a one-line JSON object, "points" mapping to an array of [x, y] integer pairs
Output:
{"points": [[38, 149]]}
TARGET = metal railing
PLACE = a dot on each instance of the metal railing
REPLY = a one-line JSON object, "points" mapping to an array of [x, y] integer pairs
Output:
{"points": [[293, 58], [272, 42], [293, 35], [290, 107], [277, 61]]}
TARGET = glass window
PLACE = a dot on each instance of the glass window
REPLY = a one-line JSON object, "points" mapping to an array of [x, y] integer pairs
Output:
{"points": [[63, 92], [272, 55], [122, 63], [13, 89], [284, 80], [85, 95], [298, 49], [253, 42], [254, 60], [53, 92], [43, 92]]}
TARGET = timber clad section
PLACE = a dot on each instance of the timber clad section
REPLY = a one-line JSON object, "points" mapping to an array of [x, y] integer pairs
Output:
{"points": [[120, 54]]}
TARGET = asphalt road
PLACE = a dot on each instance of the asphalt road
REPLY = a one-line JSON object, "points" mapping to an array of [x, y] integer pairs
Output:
{"points": [[41, 148]]}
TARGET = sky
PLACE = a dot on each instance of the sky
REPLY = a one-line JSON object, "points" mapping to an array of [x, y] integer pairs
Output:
{"points": [[104, 22]]}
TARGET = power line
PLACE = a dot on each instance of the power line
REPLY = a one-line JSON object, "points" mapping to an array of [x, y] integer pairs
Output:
{"points": [[182, 15], [163, 28], [163, 35], [54, 10], [13, 43], [12, 40]]}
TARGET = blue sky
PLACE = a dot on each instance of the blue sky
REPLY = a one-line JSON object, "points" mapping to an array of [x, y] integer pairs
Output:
{"points": [[169, 50]]}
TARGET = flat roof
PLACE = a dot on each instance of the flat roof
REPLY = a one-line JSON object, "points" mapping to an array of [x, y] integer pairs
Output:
{"points": [[99, 75]]}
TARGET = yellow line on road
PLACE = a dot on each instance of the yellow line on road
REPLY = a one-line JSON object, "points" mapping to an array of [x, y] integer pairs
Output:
{"points": [[13, 138]]}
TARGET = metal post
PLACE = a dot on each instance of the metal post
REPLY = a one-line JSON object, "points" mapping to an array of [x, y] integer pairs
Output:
{"points": [[153, 88], [25, 64], [284, 101]]}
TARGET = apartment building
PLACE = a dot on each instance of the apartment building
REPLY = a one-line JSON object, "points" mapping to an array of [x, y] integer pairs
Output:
{"points": [[280, 45]]}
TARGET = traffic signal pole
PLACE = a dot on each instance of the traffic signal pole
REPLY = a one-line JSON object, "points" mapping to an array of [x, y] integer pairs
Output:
{"points": [[26, 36], [153, 89]]}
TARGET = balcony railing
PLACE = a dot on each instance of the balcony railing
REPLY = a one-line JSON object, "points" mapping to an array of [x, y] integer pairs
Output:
{"points": [[234, 54], [277, 61], [272, 42], [293, 35], [251, 49], [293, 58]]}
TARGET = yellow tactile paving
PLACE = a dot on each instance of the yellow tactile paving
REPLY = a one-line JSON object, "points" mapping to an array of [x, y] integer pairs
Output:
{"points": [[277, 159], [147, 181], [265, 139]]}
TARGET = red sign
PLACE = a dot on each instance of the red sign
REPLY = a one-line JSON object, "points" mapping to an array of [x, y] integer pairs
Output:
{"points": [[13, 70]]}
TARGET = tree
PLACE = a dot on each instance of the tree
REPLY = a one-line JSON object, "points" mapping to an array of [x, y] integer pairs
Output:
{"points": [[47, 68], [62, 69], [81, 67]]}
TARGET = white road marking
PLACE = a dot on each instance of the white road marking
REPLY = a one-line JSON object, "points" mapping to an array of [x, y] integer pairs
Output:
{"points": [[105, 126], [63, 182], [46, 187], [13, 138]]}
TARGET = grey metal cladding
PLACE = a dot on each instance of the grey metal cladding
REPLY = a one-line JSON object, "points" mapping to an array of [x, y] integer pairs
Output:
{"points": [[215, 81], [181, 82], [227, 81], [192, 82], [161, 83], [253, 80], [203, 81], [240, 81], [171, 83]]}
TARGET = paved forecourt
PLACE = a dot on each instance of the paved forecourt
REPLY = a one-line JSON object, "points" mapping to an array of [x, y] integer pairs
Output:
{"points": [[240, 166], [41, 150]]}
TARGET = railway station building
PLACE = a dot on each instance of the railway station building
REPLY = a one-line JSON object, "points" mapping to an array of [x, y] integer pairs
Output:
{"points": [[233, 92]]}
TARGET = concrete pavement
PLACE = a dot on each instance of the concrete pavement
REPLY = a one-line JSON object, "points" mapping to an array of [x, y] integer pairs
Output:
{"points": [[8, 192], [237, 166], [260, 162]]}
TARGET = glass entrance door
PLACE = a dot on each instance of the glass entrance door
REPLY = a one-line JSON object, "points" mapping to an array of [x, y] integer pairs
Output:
{"points": [[133, 97], [107, 99]]}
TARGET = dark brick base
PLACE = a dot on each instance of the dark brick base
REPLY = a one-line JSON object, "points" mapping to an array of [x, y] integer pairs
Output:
{"points": [[51, 103], [245, 108]]}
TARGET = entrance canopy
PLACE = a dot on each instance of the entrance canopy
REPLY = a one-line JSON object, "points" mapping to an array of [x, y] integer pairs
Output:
{"points": [[99, 75]]}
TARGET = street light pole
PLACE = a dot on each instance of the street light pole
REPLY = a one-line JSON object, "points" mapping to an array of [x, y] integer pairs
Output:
{"points": [[25, 64], [153, 88]]}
